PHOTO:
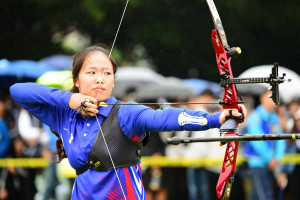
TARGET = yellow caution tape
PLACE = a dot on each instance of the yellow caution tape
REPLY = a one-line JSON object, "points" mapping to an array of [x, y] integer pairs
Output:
{"points": [[24, 162], [65, 170]]}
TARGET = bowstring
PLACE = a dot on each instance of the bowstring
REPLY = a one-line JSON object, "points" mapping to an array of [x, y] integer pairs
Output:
{"points": [[109, 56]]}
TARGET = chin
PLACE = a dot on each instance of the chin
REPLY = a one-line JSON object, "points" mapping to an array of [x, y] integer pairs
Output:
{"points": [[102, 99]]}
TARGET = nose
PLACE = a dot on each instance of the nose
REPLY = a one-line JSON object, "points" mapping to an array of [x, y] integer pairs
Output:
{"points": [[99, 78]]}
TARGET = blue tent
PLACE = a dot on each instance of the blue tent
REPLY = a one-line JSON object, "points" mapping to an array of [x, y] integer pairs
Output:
{"points": [[199, 85], [61, 62], [19, 71]]}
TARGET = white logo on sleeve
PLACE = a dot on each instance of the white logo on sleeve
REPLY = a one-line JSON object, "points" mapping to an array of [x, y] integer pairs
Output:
{"points": [[184, 119]]}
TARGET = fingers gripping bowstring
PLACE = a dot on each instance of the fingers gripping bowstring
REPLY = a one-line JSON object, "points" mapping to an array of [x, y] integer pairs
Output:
{"points": [[107, 62]]}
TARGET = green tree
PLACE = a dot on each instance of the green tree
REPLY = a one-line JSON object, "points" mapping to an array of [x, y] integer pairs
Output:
{"points": [[173, 35]]}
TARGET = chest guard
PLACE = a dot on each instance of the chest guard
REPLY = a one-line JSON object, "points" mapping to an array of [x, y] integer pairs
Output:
{"points": [[124, 151]]}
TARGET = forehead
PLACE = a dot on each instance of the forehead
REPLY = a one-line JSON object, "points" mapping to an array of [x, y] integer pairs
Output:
{"points": [[97, 59]]}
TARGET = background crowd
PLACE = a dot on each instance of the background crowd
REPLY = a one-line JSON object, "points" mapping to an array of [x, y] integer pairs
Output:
{"points": [[23, 136]]}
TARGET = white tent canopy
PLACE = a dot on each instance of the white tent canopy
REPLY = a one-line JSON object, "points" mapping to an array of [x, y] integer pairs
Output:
{"points": [[287, 90]]}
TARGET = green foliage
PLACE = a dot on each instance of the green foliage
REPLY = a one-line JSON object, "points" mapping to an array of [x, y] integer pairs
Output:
{"points": [[175, 34]]}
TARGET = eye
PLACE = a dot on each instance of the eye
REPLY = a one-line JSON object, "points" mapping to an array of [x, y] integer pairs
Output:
{"points": [[107, 73], [91, 72]]}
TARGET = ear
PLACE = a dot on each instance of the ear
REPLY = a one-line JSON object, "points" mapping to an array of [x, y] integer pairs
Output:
{"points": [[76, 82]]}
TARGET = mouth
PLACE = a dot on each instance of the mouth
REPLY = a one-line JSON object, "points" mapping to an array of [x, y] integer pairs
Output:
{"points": [[99, 89]]}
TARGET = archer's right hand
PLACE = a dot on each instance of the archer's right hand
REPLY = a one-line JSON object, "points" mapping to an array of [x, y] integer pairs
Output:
{"points": [[84, 104]]}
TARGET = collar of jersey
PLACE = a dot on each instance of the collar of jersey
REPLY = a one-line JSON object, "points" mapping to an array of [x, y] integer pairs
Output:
{"points": [[104, 111]]}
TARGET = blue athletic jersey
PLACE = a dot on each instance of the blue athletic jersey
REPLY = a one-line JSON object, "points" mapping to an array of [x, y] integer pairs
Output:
{"points": [[260, 153], [4, 139], [79, 133]]}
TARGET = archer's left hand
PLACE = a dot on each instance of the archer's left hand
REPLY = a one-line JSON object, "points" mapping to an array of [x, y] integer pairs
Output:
{"points": [[241, 112]]}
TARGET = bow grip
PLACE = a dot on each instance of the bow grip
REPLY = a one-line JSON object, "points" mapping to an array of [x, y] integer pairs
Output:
{"points": [[229, 125]]}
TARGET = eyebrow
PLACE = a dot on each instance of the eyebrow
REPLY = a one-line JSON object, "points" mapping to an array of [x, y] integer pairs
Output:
{"points": [[95, 67]]}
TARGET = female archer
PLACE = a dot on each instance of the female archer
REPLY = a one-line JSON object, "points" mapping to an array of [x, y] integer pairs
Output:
{"points": [[103, 143]]}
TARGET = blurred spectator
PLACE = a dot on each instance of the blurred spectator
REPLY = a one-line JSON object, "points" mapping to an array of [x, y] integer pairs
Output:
{"points": [[4, 146], [34, 140], [288, 120], [154, 177], [50, 173], [53, 187], [283, 116], [30, 129], [293, 171], [175, 177], [264, 156], [175, 180], [291, 110], [19, 182], [197, 177], [4, 131], [11, 114], [130, 94]]}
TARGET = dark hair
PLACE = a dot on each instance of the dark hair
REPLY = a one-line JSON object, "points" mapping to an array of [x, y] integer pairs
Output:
{"points": [[208, 92], [80, 57], [78, 61]]}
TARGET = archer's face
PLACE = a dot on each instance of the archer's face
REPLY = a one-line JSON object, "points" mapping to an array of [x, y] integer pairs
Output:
{"points": [[96, 77]]}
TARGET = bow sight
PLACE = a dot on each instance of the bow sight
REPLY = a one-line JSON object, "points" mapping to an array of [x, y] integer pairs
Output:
{"points": [[273, 80]]}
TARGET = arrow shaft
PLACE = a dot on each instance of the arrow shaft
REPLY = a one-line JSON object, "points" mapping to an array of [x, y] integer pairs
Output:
{"points": [[167, 104]]}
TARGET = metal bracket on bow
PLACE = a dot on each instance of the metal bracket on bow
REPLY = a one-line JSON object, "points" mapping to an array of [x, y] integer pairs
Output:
{"points": [[273, 80]]}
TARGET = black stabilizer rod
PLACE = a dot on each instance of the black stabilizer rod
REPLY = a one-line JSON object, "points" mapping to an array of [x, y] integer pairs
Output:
{"points": [[246, 138]]}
